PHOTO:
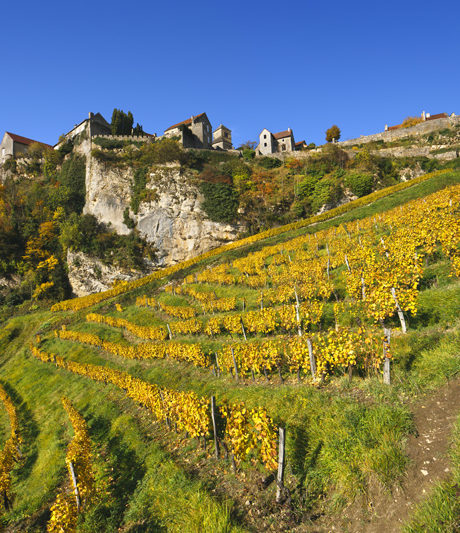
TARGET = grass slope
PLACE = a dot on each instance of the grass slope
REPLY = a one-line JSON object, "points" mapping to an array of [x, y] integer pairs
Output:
{"points": [[342, 438]]}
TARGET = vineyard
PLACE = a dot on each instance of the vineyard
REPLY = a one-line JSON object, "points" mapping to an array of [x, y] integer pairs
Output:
{"points": [[263, 386]]}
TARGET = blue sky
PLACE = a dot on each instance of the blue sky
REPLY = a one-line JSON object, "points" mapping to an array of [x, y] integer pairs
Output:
{"points": [[248, 64]]}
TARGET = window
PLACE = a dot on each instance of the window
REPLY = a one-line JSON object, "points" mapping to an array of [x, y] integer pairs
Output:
{"points": [[265, 144], [265, 136], [283, 147], [225, 134]]}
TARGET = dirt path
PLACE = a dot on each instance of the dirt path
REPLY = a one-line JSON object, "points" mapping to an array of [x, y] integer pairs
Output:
{"points": [[434, 419]]}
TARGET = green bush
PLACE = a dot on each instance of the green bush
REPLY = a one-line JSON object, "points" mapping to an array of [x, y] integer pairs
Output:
{"points": [[108, 144], [248, 154], [269, 162], [220, 201], [10, 164], [72, 177], [326, 192], [359, 184], [138, 187]]}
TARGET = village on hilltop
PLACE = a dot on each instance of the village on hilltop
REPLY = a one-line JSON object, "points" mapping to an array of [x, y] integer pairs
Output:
{"points": [[196, 133]]}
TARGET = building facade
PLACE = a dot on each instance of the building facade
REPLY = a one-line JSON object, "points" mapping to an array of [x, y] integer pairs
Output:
{"points": [[271, 143], [93, 126], [195, 132], [13, 145], [222, 138]]}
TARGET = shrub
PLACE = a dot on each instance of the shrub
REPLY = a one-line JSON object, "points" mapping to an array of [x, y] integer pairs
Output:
{"points": [[72, 176], [220, 201], [326, 192], [10, 164], [248, 154], [138, 187], [410, 121], [359, 184], [269, 162], [127, 220], [108, 144]]}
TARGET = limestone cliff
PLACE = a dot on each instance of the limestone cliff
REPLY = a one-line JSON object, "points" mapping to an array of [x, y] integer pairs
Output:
{"points": [[88, 274], [171, 219]]}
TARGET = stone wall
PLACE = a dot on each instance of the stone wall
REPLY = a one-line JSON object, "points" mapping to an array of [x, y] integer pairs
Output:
{"points": [[137, 138], [415, 131]]}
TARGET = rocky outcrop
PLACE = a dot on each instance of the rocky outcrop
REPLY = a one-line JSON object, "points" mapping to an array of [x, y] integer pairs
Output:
{"points": [[170, 218], [88, 274]]}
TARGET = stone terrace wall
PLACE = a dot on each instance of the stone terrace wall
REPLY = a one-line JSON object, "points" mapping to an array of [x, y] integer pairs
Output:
{"points": [[137, 138], [415, 131]]}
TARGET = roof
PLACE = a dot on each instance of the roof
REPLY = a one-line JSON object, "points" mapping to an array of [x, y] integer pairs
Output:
{"points": [[282, 134], [300, 142], [439, 115], [25, 140], [186, 122]]}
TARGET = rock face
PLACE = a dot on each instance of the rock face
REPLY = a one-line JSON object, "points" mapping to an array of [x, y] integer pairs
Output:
{"points": [[88, 274], [171, 219]]}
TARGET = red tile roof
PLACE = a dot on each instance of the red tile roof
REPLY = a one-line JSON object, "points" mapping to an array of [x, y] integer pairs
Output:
{"points": [[282, 134], [185, 122], [439, 115], [300, 142], [394, 127], [24, 140]]}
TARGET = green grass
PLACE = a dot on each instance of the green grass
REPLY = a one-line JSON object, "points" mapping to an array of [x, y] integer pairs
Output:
{"points": [[440, 512], [342, 437], [140, 467]]}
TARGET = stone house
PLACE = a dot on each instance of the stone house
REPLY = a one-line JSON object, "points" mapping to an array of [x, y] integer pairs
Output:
{"points": [[92, 126], [301, 145], [272, 143], [222, 138], [13, 145], [195, 132]]}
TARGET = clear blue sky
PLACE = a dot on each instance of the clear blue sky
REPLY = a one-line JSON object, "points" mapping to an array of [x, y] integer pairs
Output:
{"points": [[248, 64]]}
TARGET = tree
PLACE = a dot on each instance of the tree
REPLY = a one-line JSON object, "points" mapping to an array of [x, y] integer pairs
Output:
{"points": [[333, 134], [122, 123]]}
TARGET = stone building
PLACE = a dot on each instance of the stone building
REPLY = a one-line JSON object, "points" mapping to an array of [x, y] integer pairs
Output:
{"points": [[301, 145], [423, 118], [195, 132], [271, 143], [92, 126], [13, 145], [222, 138]]}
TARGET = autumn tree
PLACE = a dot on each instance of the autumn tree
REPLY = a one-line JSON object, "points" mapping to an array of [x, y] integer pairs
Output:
{"points": [[333, 134]]}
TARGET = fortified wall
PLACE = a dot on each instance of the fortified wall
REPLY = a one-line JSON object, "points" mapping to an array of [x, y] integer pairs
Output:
{"points": [[414, 131]]}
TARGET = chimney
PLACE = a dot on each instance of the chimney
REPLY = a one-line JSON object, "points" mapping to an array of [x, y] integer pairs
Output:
{"points": [[289, 130], [386, 127], [423, 115], [90, 115]]}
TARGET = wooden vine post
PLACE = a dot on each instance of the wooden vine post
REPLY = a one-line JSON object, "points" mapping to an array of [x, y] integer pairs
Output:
{"points": [[386, 359], [75, 486], [311, 355], [281, 464], [214, 426], [235, 366]]}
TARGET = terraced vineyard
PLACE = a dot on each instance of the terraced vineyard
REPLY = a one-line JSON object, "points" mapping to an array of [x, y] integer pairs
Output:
{"points": [[268, 385]]}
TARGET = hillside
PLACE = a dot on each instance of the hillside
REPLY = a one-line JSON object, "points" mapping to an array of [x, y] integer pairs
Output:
{"points": [[100, 210], [340, 329]]}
